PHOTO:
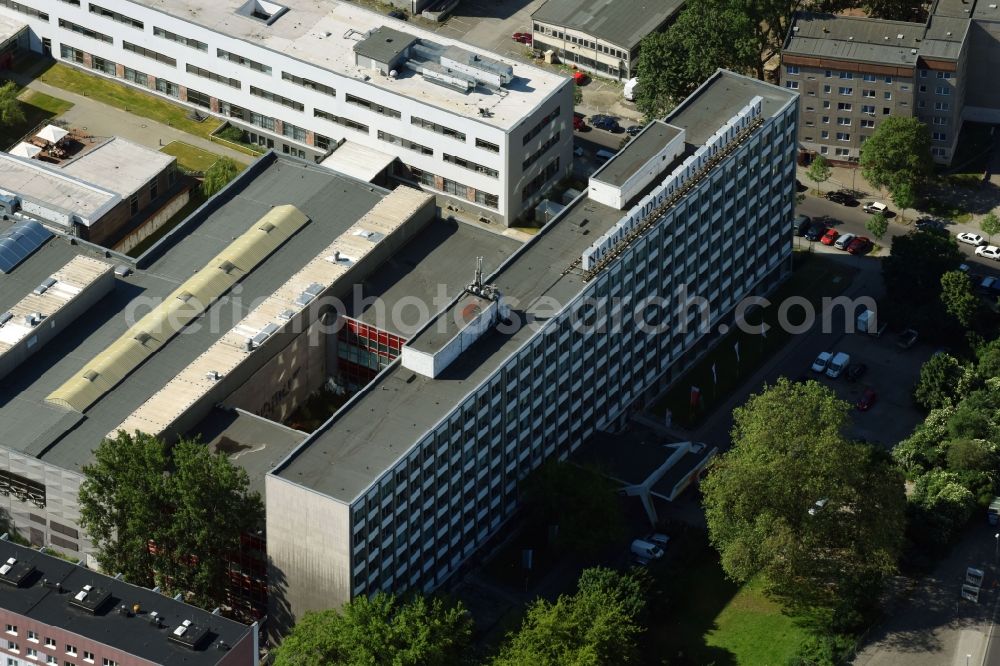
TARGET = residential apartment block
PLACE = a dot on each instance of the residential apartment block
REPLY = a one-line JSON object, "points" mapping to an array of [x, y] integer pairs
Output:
{"points": [[58, 613], [421, 468], [851, 72], [486, 134], [600, 36]]}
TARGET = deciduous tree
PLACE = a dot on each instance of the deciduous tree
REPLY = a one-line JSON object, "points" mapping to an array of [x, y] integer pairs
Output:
{"points": [[819, 516], [938, 382], [990, 224], [898, 156], [877, 225], [218, 175], [11, 111], [820, 170], [192, 504], [957, 297], [380, 630], [597, 626]]}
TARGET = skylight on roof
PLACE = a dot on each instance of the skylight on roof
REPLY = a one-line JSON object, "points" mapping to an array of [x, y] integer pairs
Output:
{"points": [[266, 12]]}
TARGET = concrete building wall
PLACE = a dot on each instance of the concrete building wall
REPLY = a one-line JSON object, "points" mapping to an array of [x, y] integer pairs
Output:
{"points": [[286, 129], [982, 94], [153, 224], [308, 549]]}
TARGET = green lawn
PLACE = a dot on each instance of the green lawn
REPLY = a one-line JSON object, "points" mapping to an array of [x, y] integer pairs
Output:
{"points": [[191, 158], [127, 98], [700, 617], [37, 107], [814, 279]]}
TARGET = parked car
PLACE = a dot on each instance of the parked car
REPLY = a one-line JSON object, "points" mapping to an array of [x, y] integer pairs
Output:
{"points": [[989, 286], [646, 550], [860, 245], [801, 224], [819, 365], [816, 231], [659, 539], [830, 237], [989, 251], [396, 14], [907, 338], [837, 364], [606, 123], [866, 400], [875, 207], [970, 238], [930, 224], [842, 197], [856, 371], [632, 130], [522, 37], [844, 241], [579, 124]]}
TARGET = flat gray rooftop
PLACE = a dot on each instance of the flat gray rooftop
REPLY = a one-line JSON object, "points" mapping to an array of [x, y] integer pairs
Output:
{"points": [[380, 424], [118, 165], [52, 185], [621, 22], [29, 423], [636, 153], [434, 338], [854, 38], [428, 272], [384, 44]]}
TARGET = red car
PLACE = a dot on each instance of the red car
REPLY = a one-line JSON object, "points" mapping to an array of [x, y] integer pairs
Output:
{"points": [[830, 237], [522, 37], [578, 123], [860, 245], [866, 400]]}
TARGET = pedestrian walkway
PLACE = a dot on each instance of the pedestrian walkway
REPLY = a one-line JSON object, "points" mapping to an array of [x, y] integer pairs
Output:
{"points": [[102, 120]]}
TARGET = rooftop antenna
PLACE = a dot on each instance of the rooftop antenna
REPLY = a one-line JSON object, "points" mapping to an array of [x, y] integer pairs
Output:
{"points": [[478, 283]]}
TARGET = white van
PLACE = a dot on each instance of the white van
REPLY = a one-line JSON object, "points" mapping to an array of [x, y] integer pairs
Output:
{"points": [[603, 155], [645, 550]]}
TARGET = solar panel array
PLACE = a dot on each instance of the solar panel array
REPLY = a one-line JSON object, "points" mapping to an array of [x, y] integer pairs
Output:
{"points": [[18, 242]]}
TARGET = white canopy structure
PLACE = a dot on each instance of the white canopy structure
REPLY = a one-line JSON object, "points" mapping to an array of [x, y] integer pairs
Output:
{"points": [[52, 134], [24, 149]]}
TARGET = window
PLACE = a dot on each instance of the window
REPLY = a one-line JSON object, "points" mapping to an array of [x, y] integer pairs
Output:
{"points": [[921, 104], [942, 106], [868, 93], [486, 145], [240, 60], [33, 636], [938, 152], [12, 629], [922, 89], [25, 9], [293, 132], [102, 65], [321, 142], [487, 199], [31, 653], [869, 77], [826, 104], [307, 83], [71, 650], [942, 90], [825, 120], [167, 88], [843, 121], [88, 656], [199, 99], [885, 110], [12, 646], [71, 54], [944, 75], [405, 143], [372, 106], [471, 166], [887, 94], [115, 16], [794, 85], [109, 662], [843, 90], [847, 75], [186, 41], [939, 136], [133, 204], [792, 69], [346, 122], [80, 30], [434, 127], [149, 53], [923, 73], [51, 660], [824, 135], [275, 97], [823, 150], [843, 136], [867, 123], [827, 89], [136, 77], [828, 74], [214, 76], [844, 106], [938, 120], [888, 79], [50, 643], [153, 189]]}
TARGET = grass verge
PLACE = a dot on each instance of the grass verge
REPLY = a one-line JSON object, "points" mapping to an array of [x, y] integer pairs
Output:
{"points": [[191, 158], [124, 97], [37, 107], [816, 278]]}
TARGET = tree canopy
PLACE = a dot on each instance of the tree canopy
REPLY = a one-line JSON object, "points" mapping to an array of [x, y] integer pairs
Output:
{"points": [[382, 629], [895, 10], [877, 225], [11, 111], [898, 156], [912, 274], [938, 382], [218, 175], [819, 516], [957, 297], [819, 170], [990, 224], [597, 626], [138, 492]]}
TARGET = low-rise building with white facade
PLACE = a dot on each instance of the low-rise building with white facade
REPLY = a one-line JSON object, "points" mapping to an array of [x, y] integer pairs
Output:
{"points": [[487, 134]]}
